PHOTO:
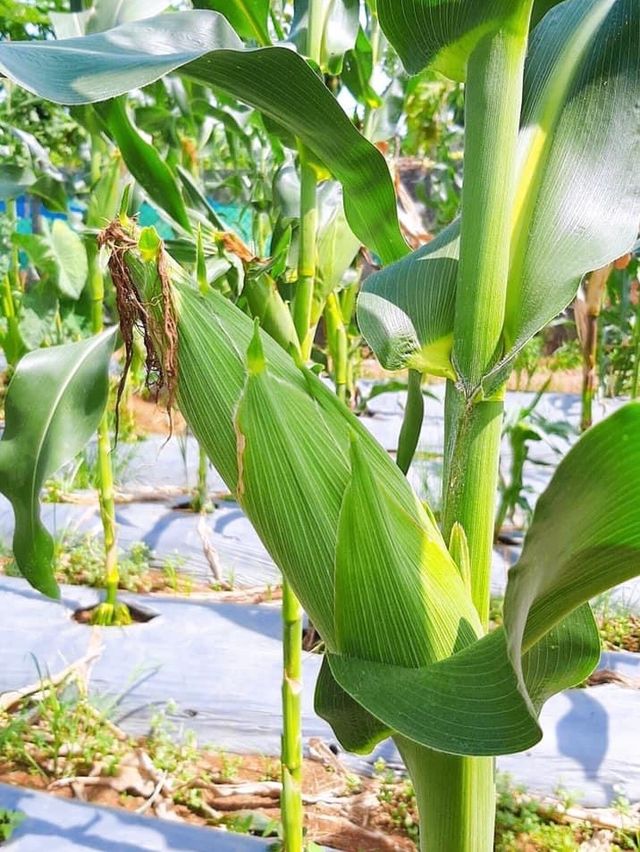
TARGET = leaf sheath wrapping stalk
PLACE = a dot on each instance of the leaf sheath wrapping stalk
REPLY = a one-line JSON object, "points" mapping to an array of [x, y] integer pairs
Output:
{"points": [[577, 202], [363, 556]]}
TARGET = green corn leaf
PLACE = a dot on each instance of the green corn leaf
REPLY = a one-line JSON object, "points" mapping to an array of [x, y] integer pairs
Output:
{"points": [[14, 180], [103, 15], [340, 25], [358, 70], [59, 254], [578, 191], [248, 17], [143, 160], [584, 539], [53, 405], [52, 191], [443, 33], [197, 198], [37, 317], [540, 9], [579, 184], [337, 245], [105, 196], [203, 46], [406, 310], [356, 729]]}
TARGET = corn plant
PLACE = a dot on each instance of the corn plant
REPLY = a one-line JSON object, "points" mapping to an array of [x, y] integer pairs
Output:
{"points": [[550, 191]]}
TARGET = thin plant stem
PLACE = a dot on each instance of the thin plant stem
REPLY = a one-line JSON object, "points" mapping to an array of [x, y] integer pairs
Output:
{"points": [[303, 299], [594, 294], [412, 422], [276, 24], [316, 17], [105, 468], [368, 125], [13, 346], [291, 753], [202, 494], [338, 344], [108, 512], [14, 263], [291, 805]]}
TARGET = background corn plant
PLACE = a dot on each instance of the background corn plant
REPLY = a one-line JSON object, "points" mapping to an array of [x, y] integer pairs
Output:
{"points": [[550, 192]]}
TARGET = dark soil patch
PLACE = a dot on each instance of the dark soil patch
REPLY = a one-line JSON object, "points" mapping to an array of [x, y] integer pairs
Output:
{"points": [[139, 614]]}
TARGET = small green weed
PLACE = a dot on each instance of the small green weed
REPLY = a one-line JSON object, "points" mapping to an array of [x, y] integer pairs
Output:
{"points": [[9, 822], [272, 770], [620, 632], [397, 797], [522, 822], [172, 749], [80, 562], [519, 824], [57, 733], [230, 765]]}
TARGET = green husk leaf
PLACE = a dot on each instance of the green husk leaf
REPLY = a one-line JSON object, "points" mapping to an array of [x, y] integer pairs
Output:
{"points": [[367, 561], [584, 539]]}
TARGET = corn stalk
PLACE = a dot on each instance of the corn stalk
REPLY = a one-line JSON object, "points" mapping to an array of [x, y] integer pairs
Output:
{"points": [[403, 618]]}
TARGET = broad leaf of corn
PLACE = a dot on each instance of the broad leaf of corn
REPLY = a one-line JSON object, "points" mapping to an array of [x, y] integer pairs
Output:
{"points": [[53, 406], [58, 254], [405, 652], [202, 45], [578, 195], [443, 33]]}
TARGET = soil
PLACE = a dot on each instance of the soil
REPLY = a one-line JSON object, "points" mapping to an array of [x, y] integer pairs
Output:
{"points": [[152, 419], [335, 815]]}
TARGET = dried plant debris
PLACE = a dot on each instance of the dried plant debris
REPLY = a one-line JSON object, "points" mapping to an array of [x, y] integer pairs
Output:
{"points": [[161, 363]]}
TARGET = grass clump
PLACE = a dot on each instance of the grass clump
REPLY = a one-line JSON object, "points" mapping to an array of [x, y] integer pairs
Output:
{"points": [[398, 801], [80, 561], [523, 822], [620, 632], [57, 733]]}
